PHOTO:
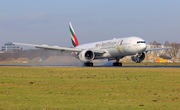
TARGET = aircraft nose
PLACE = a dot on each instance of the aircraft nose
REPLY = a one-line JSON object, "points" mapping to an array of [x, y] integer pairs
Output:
{"points": [[142, 47]]}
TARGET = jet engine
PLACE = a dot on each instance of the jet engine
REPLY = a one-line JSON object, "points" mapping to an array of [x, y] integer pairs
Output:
{"points": [[86, 55], [138, 58]]}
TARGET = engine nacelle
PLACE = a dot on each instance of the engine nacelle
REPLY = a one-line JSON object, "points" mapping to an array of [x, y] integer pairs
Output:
{"points": [[86, 55], [139, 57]]}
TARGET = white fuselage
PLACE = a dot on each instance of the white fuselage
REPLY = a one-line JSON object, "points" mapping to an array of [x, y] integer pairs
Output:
{"points": [[117, 47]]}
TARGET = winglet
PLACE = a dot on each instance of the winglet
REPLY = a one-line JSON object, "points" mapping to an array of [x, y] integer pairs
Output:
{"points": [[73, 36]]}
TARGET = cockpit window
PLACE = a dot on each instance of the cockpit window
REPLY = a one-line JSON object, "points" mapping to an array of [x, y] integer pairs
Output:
{"points": [[141, 42]]}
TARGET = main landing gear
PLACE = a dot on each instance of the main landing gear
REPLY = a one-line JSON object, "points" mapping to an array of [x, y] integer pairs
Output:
{"points": [[117, 63], [88, 64]]}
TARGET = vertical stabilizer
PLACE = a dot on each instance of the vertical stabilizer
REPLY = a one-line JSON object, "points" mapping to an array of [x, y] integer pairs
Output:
{"points": [[73, 36]]}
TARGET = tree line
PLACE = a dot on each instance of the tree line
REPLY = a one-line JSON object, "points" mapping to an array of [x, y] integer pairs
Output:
{"points": [[173, 52]]}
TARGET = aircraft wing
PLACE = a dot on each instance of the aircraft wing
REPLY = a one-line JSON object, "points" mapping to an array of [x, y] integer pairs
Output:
{"points": [[46, 47], [152, 49], [62, 49]]}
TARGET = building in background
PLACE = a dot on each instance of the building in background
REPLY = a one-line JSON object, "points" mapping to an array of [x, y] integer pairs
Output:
{"points": [[9, 47]]}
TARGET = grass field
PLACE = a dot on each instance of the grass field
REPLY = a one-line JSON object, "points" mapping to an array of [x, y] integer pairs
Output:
{"points": [[59, 88]]}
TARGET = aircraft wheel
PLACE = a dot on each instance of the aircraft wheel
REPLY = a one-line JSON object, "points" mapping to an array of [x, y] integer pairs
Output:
{"points": [[117, 64], [88, 64]]}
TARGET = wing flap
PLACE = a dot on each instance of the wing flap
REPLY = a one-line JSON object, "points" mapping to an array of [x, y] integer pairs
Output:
{"points": [[59, 48]]}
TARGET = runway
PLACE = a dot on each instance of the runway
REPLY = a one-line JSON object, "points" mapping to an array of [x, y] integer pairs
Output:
{"points": [[129, 66]]}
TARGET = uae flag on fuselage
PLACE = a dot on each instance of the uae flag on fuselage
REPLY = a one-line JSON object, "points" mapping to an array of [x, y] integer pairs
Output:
{"points": [[73, 36]]}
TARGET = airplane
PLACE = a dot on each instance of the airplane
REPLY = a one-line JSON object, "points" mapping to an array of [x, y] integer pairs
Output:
{"points": [[114, 49]]}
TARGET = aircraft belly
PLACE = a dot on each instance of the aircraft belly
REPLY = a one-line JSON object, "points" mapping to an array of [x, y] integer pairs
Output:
{"points": [[115, 53], [123, 50]]}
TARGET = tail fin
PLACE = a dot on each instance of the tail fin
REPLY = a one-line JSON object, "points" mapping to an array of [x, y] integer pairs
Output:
{"points": [[73, 36]]}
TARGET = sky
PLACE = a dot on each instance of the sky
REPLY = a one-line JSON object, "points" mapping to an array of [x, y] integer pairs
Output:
{"points": [[46, 21]]}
